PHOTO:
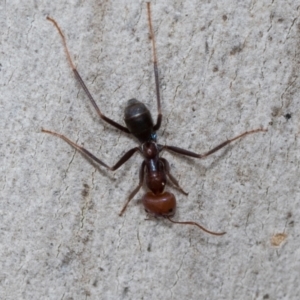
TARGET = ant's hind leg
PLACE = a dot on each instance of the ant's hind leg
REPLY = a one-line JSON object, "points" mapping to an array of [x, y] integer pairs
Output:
{"points": [[159, 113], [80, 80]]}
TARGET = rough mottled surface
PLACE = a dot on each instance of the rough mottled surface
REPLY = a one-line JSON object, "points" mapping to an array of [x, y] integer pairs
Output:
{"points": [[224, 68]]}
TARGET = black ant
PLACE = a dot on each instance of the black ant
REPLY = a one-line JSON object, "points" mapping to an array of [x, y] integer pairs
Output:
{"points": [[154, 170]]}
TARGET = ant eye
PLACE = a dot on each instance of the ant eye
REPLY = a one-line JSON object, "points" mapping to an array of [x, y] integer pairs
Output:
{"points": [[171, 210]]}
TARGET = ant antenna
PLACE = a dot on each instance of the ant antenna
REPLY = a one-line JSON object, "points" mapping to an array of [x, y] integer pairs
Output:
{"points": [[196, 224]]}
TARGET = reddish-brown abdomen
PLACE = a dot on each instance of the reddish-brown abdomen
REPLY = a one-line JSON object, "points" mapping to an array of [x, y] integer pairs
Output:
{"points": [[160, 205]]}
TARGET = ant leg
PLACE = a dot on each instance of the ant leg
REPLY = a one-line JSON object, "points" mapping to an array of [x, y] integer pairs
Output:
{"points": [[133, 193], [159, 115], [88, 154], [192, 154], [80, 80], [172, 178]]}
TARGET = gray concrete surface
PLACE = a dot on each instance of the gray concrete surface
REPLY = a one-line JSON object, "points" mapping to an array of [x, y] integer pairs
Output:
{"points": [[225, 67]]}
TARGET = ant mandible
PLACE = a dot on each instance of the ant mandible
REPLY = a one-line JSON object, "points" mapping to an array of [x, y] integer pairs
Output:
{"points": [[154, 169]]}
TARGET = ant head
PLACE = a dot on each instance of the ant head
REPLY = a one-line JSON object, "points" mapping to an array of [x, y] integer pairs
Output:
{"points": [[161, 205]]}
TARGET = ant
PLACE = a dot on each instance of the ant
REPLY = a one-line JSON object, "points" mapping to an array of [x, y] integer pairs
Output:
{"points": [[154, 169]]}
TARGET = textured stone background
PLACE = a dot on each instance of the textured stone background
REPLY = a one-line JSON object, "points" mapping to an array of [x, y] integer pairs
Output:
{"points": [[224, 68]]}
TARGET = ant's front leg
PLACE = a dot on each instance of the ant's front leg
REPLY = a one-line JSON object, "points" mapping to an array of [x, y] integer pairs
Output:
{"points": [[171, 177], [133, 193], [193, 154]]}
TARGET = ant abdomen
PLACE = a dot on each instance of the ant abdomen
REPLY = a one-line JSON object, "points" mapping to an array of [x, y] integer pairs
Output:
{"points": [[163, 205], [138, 120]]}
